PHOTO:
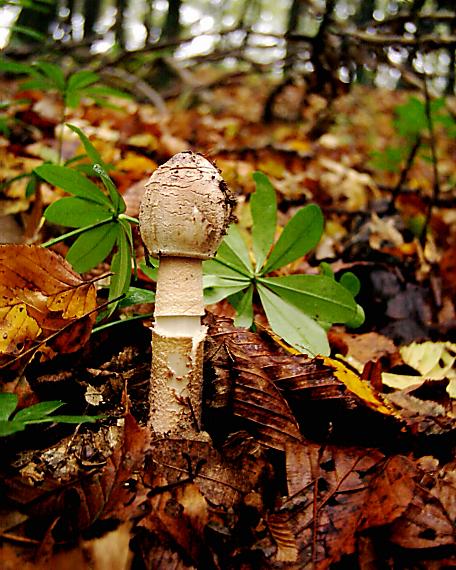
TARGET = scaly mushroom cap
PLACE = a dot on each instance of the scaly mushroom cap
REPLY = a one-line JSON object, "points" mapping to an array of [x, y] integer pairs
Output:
{"points": [[186, 208]]}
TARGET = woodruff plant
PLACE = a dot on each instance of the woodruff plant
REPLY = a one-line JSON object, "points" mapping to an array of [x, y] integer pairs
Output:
{"points": [[46, 76], [98, 217], [298, 307]]}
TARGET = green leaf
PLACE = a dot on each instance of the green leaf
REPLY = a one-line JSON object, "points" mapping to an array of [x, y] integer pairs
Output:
{"points": [[81, 79], [216, 294], [72, 182], [294, 326], [137, 296], [103, 91], [316, 295], [91, 151], [37, 411], [358, 318], [54, 72], [233, 252], [411, 118], [244, 314], [8, 428], [350, 282], [28, 32], [300, 235], [76, 213], [38, 83], [32, 184], [64, 419], [221, 281], [72, 98], [263, 206], [121, 268], [8, 403], [92, 247], [151, 272], [389, 159], [215, 267], [116, 199], [326, 269], [19, 68]]}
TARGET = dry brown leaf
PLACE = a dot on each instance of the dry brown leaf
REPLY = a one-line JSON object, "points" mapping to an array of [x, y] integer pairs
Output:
{"points": [[40, 296], [425, 524], [390, 493]]}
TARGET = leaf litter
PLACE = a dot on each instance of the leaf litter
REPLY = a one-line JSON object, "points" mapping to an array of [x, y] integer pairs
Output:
{"points": [[313, 462]]}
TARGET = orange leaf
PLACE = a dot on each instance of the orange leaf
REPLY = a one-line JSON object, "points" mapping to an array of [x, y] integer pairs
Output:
{"points": [[43, 302]]}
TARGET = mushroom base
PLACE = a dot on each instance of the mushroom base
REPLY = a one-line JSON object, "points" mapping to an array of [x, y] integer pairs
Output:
{"points": [[176, 384]]}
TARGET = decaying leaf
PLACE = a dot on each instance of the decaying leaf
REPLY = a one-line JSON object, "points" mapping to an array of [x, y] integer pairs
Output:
{"points": [[43, 303], [58, 483], [283, 535]]}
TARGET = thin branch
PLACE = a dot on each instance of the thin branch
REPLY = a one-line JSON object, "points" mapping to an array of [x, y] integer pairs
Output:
{"points": [[435, 168], [404, 173]]}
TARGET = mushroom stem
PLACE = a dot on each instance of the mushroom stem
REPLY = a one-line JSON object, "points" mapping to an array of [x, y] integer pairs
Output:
{"points": [[184, 214], [177, 348]]}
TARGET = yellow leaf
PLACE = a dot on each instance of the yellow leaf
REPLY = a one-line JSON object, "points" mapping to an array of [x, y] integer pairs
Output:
{"points": [[359, 387], [133, 161], [17, 329]]}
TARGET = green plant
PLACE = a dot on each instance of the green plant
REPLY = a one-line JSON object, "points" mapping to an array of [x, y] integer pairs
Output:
{"points": [[13, 422], [411, 125], [298, 307], [98, 217], [46, 76]]}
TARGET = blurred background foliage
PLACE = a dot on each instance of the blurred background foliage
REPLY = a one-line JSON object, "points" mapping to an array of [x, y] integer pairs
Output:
{"points": [[329, 43]]}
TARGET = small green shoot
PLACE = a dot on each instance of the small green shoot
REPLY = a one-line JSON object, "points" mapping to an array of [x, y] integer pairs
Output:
{"points": [[13, 422]]}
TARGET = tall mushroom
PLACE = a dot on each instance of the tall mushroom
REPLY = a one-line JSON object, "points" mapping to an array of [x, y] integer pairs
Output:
{"points": [[184, 214]]}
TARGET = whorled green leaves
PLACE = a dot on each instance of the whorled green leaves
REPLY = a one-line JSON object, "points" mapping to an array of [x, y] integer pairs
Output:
{"points": [[97, 213], [47, 76], [298, 307]]}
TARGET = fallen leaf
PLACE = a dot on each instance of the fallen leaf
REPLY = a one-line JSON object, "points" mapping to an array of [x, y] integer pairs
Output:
{"points": [[433, 360], [359, 387], [43, 303]]}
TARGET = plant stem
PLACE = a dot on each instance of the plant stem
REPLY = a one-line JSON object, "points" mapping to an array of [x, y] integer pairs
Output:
{"points": [[128, 219], [62, 126], [76, 232], [435, 168], [404, 173]]}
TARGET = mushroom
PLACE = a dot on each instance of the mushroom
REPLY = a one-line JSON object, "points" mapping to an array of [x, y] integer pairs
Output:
{"points": [[184, 214]]}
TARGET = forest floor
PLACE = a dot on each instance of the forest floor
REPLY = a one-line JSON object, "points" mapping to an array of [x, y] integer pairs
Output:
{"points": [[340, 462]]}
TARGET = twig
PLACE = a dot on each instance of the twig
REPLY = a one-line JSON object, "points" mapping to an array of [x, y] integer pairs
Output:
{"points": [[138, 86], [435, 168], [404, 173], [387, 40]]}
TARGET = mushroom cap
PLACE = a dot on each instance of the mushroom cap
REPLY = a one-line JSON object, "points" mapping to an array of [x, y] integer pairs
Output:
{"points": [[186, 208]]}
